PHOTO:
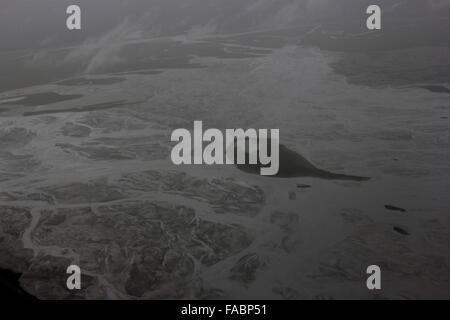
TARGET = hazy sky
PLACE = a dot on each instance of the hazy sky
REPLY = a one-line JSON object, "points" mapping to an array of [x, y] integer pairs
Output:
{"points": [[41, 23]]}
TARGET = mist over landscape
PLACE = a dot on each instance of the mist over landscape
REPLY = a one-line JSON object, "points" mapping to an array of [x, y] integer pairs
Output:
{"points": [[86, 177]]}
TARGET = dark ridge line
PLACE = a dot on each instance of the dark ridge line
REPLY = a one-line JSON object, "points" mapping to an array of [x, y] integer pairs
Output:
{"points": [[294, 165], [91, 107]]}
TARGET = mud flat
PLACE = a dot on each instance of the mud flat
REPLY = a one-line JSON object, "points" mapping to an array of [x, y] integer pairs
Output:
{"points": [[43, 98], [129, 247], [91, 81], [159, 252], [85, 108], [75, 130], [90, 181], [436, 89]]}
